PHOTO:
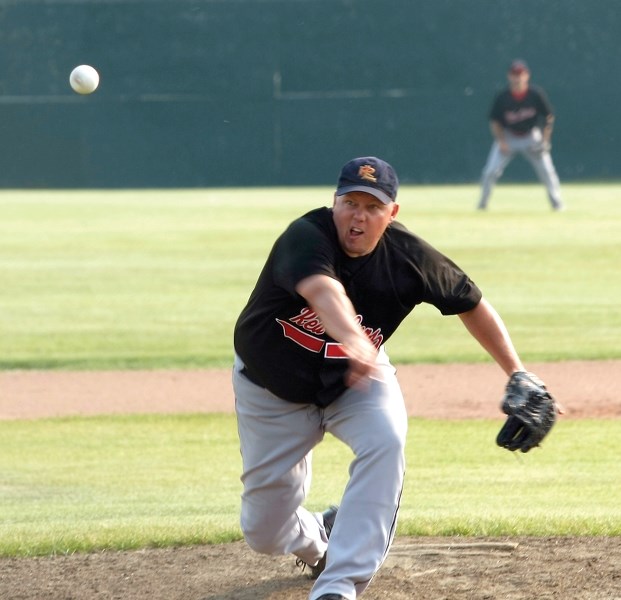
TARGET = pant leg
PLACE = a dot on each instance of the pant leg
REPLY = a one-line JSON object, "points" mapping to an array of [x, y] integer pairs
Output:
{"points": [[373, 423], [276, 442], [496, 163], [541, 161]]}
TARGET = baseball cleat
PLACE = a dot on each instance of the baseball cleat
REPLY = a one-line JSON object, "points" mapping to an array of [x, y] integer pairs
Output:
{"points": [[332, 597], [329, 517]]}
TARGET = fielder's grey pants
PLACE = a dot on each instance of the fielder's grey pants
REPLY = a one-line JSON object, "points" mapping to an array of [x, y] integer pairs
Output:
{"points": [[276, 440], [529, 146]]}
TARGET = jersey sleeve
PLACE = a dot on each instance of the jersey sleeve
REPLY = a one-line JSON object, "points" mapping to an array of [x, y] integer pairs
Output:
{"points": [[447, 287], [443, 284], [495, 113], [303, 250], [452, 292], [545, 106]]}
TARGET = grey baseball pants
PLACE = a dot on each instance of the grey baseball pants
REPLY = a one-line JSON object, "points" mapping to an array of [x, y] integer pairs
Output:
{"points": [[529, 146], [276, 440]]}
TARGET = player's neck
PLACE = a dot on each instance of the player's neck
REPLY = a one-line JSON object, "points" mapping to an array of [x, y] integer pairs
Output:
{"points": [[519, 94]]}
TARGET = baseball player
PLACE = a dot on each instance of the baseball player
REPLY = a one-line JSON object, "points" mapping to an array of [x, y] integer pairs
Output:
{"points": [[311, 359], [521, 121]]}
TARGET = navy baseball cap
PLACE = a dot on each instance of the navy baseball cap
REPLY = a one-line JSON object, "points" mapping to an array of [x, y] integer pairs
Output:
{"points": [[518, 66], [369, 174]]}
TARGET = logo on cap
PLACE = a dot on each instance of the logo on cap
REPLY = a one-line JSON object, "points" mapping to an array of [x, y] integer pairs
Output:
{"points": [[371, 175], [367, 172]]}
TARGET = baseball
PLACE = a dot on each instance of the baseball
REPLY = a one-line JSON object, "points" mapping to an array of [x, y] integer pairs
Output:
{"points": [[84, 79]]}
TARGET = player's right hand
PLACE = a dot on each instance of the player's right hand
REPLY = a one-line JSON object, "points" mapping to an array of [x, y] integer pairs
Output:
{"points": [[362, 356]]}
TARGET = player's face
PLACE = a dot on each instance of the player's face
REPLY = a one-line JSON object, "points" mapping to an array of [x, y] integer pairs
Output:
{"points": [[361, 220], [518, 82]]}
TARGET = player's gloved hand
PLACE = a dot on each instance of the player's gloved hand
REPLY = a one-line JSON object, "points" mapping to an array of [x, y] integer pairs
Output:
{"points": [[542, 146], [531, 409]]}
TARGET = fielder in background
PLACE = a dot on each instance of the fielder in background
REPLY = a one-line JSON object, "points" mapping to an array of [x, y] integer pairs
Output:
{"points": [[521, 121], [310, 360]]}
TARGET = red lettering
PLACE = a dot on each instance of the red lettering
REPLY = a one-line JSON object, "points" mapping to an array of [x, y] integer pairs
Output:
{"points": [[308, 320]]}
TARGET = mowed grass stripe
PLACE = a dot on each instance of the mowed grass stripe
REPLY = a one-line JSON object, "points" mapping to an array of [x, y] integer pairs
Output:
{"points": [[156, 278]]}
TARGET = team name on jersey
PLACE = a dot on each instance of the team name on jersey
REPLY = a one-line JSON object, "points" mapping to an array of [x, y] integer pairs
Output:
{"points": [[522, 114], [306, 325]]}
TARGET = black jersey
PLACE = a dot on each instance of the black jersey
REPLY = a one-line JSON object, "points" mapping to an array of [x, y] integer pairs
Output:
{"points": [[521, 115], [281, 340]]}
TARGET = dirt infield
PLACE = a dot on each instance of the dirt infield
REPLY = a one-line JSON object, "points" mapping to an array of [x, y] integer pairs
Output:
{"points": [[417, 568], [585, 389]]}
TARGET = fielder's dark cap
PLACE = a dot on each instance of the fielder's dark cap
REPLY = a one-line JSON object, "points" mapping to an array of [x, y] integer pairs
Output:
{"points": [[369, 174], [518, 66]]}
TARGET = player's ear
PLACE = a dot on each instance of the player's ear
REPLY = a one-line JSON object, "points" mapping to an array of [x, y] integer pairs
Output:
{"points": [[395, 210], [334, 200]]}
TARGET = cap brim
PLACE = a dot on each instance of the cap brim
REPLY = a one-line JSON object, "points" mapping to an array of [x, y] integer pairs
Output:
{"points": [[385, 198]]}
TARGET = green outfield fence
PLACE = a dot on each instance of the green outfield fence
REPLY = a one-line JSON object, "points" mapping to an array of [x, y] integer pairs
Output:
{"points": [[203, 93]]}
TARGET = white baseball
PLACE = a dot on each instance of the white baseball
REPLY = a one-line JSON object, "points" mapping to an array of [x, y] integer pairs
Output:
{"points": [[84, 79]]}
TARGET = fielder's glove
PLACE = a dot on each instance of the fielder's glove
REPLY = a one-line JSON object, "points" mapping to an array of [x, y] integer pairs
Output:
{"points": [[531, 409], [541, 147]]}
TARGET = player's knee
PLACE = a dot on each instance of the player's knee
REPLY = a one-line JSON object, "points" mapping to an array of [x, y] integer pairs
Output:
{"points": [[388, 447], [260, 531], [260, 543], [395, 445], [491, 175], [258, 537]]}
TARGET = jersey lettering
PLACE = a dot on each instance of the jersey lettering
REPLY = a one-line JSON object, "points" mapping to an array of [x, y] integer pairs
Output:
{"points": [[310, 342], [334, 350], [522, 114], [308, 320]]}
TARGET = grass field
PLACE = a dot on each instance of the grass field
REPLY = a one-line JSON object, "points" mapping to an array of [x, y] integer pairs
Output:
{"points": [[81, 484], [147, 279]]}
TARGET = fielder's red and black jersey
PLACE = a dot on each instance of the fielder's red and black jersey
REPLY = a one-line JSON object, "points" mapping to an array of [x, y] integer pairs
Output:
{"points": [[520, 115], [282, 342]]}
